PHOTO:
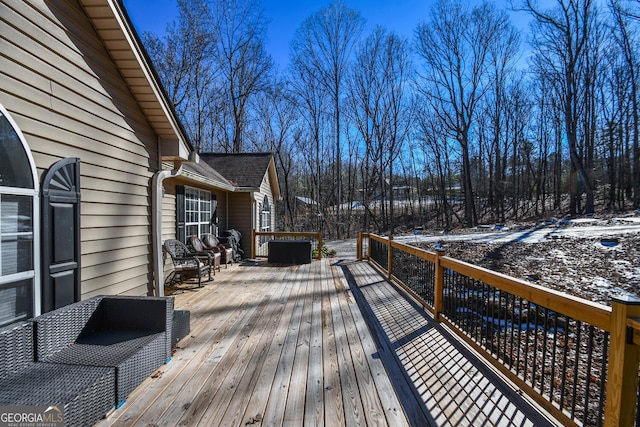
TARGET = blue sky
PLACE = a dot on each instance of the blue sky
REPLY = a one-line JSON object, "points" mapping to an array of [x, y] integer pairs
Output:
{"points": [[401, 16]]}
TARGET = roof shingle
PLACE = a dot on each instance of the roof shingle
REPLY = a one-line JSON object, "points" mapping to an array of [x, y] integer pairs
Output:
{"points": [[244, 170]]}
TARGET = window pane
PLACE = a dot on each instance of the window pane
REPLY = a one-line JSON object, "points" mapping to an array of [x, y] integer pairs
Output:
{"points": [[15, 301], [192, 230], [15, 170], [15, 214], [205, 216], [16, 234], [17, 254]]}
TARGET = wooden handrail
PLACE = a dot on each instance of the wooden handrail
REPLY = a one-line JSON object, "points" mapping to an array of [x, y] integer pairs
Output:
{"points": [[624, 353], [634, 324], [598, 315]]}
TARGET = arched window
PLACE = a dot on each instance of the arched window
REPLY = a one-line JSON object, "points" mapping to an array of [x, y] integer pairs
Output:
{"points": [[19, 225], [265, 215]]}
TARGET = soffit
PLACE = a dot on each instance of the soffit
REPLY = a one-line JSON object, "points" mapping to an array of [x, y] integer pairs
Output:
{"points": [[112, 24]]}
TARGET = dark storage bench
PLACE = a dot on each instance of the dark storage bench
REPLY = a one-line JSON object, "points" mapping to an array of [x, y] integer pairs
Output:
{"points": [[289, 252]]}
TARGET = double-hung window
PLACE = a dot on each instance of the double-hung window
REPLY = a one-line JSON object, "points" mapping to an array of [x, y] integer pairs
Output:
{"points": [[198, 212]]}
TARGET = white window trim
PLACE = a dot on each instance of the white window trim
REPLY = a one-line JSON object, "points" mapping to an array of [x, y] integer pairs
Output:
{"points": [[34, 193], [266, 218]]}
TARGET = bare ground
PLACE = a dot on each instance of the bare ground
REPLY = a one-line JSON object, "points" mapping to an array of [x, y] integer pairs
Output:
{"points": [[591, 268], [594, 258]]}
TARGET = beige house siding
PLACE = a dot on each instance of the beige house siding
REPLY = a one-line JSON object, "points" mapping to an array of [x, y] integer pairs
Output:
{"points": [[69, 100], [223, 218], [240, 218], [245, 212]]}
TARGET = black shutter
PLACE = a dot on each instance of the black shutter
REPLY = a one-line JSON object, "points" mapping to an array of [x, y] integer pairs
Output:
{"points": [[180, 214], [214, 210], [61, 235]]}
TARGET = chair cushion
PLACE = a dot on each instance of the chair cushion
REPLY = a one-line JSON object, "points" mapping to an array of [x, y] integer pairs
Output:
{"points": [[210, 240], [191, 265], [196, 244]]}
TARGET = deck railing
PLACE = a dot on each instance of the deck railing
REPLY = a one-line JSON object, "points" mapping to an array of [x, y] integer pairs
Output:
{"points": [[573, 356], [260, 240]]}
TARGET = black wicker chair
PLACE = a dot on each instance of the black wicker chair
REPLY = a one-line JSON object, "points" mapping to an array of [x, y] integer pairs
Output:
{"points": [[186, 264], [212, 242]]}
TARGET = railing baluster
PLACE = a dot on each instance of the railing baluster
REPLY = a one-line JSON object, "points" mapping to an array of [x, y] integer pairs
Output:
{"points": [[565, 355], [513, 330], [553, 356], [588, 375], [535, 348], [576, 369], [520, 310], [603, 375], [544, 348], [526, 372], [477, 323], [503, 328]]}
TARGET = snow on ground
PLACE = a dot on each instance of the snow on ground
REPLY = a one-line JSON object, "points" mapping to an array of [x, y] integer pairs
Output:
{"points": [[592, 258]]}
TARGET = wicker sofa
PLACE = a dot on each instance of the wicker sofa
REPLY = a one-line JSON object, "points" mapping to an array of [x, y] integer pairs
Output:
{"points": [[84, 392], [131, 335], [86, 356]]}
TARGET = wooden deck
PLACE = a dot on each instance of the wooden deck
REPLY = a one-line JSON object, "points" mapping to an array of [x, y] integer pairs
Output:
{"points": [[328, 343]]}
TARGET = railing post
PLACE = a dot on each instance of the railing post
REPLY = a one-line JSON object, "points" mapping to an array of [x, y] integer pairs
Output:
{"points": [[389, 257], [624, 357], [253, 244], [438, 286], [319, 245], [359, 247]]}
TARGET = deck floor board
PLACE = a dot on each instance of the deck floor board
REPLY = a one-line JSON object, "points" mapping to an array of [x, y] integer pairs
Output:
{"points": [[328, 343]]}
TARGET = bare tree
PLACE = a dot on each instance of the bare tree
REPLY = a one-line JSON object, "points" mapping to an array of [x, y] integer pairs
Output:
{"points": [[275, 131], [366, 112], [182, 62], [312, 102], [502, 54], [380, 110], [622, 15], [323, 43], [436, 151], [242, 62], [455, 46], [562, 37]]}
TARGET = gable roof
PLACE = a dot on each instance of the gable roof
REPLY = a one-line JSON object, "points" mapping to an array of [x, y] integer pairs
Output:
{"points": [[245, 170], [111, 22]]}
